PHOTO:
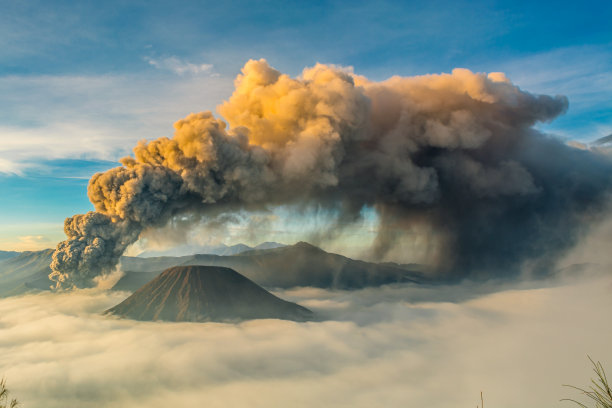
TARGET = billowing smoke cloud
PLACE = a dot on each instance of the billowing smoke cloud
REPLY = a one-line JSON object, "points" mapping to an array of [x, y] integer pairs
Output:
{"points": [[454, 152]]}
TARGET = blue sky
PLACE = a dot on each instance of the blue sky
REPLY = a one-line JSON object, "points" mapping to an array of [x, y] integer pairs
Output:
{"points": [[81, 82]]}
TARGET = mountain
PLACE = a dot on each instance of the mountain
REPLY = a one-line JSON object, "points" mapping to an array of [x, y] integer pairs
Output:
{"points": [[221, 249], [25, 272], [301, 264], [205, 293], [7, 254], [269, 245]]}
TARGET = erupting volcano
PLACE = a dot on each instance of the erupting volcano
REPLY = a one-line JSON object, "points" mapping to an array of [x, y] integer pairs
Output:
{"points": [[454, 157]]}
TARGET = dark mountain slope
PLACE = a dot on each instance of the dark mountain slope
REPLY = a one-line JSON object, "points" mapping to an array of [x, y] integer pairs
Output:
{"points": [[203, 293]]}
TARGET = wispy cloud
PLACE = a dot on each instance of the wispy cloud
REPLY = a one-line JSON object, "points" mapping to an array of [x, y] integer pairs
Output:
{"points": [[94, 117], [582, 73], [179, 67], [10, 167], [34, 242], [29, 236]]}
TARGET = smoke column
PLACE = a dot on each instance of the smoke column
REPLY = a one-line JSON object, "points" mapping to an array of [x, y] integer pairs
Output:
{"points": [[456, 152]]}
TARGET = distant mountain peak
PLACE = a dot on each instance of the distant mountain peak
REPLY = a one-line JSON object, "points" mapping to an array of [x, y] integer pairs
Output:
{"points": [[206, 293], [307, 246], [269, 245]]}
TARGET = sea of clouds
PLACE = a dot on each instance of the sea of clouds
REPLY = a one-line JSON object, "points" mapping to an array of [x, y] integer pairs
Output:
{"points": [[396, 346]]}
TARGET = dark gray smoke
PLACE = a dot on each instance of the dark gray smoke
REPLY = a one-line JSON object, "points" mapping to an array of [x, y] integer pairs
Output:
{"points": [[455, 153]]}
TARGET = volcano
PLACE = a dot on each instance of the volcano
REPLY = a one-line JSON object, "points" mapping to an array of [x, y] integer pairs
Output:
{"points": [[206, 293]]}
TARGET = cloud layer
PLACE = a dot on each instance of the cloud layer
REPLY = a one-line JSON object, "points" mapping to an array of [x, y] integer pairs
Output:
{"points": [[179, 66], [383, 347]]}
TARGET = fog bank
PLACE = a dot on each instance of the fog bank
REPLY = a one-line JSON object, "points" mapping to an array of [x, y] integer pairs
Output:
{"points": [[381, 347]]}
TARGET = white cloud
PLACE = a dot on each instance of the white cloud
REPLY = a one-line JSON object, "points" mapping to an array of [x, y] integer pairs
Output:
{"points": [[582, 73], [381, 349], [96, 117], [179, 66], [34, 240], [10, 167], [578, 71], [14, 234]]}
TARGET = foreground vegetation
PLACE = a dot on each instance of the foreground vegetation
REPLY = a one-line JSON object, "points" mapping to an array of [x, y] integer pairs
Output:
{"points": [[599, 391], [4, 396]]}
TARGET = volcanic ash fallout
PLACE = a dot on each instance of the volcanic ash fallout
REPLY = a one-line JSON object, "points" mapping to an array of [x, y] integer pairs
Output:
{"points": [[454, 153]]}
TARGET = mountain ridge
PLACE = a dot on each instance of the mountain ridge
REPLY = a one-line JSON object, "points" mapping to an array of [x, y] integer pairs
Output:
{"points": [[8, 254], [301, 264]]}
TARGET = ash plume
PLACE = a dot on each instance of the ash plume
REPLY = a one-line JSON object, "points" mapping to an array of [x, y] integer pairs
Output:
{"points": [[455, 152]]}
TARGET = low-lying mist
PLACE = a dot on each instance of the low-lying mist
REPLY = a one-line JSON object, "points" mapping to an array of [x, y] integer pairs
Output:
{"points": [[394, 346]]}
